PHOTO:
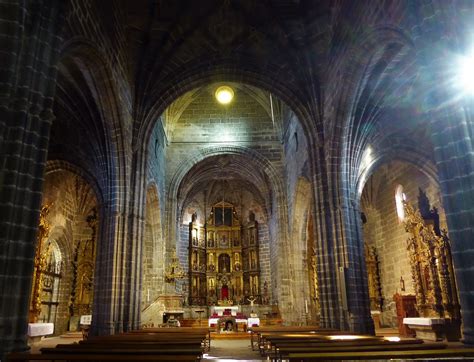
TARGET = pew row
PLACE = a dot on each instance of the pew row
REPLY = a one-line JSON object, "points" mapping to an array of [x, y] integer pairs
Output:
{"points": [[425, 354], [180, 346], [256, 332]]}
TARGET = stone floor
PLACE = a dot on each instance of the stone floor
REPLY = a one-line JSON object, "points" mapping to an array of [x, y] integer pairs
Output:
{"points": [[230, 350], [221, 349]]}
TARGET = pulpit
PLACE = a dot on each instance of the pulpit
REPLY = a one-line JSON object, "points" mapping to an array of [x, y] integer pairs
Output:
{"points": [[406, 308]]}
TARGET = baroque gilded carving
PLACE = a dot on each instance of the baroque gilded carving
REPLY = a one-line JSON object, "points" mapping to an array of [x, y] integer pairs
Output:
{"points": [[314, 291], [80, 300], [224, 268], [373, 278], [40, 261], [431, 267], [174, 271]]}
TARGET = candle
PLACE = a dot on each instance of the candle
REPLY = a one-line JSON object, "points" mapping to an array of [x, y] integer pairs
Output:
{"points": [[148, 295], [306, 306]]}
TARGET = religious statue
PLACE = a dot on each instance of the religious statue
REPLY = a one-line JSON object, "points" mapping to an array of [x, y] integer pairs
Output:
{"points": [[251, 216], [253, 260], [252, 300], [211, 242], [254, 286], [265, 298]]}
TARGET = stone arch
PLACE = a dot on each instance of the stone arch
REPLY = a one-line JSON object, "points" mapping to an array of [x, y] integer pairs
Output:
{"points": [[380, 57], [196, 75], [103, 87], [359, 125], [278, 213], [53, 166], [106, 117], [73, 202], [252, 156], [405, 154]]}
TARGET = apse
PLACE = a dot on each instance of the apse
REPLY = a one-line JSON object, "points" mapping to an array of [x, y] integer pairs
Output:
{"points": [[228, 171], [223, 230]]}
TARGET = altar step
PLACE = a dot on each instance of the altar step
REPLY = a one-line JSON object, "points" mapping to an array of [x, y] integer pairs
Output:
{"points": [[229, 335]]}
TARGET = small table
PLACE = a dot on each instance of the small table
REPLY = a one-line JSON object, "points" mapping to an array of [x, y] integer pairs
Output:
{"points": [[253, 322]]}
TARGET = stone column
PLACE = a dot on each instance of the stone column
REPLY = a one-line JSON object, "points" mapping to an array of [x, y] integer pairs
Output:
{"points": [[360, 320], [30, 42], [331, 314], [439, 40], [452, 135], [118, 273]]}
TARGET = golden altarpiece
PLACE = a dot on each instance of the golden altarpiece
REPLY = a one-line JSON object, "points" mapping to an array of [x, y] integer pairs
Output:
{"points": [[223, 258], [49, 272], [432, 266]]}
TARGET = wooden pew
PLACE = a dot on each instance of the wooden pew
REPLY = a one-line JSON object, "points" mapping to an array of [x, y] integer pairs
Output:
{"points": [[276, 344], [178, 330], [255, 332], [313, 334], [128, 346], [95, 357], [131, 350], [157, 339], [282, 347], [284, 352], [384, 355]]}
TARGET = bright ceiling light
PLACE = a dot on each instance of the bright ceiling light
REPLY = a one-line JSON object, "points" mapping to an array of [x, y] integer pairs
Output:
{"points": [[466, 73], [224, 94]]}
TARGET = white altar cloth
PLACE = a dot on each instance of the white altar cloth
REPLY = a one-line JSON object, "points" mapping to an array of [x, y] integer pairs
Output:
{"points": [[220, 309], [249, 321], [423, 321], [40, 329]]}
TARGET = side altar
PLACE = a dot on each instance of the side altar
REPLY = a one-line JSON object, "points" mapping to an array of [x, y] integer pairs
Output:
{"points": [[436, 297]]}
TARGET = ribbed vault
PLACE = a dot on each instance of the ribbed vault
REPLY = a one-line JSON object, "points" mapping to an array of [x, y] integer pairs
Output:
{"points": [[222, 177]]}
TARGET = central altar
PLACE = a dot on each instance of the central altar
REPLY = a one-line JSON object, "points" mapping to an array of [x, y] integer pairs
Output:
{"points": [[230, 318], [220, 310], [223, 259]]}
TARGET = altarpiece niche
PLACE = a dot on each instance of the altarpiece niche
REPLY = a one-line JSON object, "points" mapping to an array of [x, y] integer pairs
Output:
{"points": [[223, 258]]}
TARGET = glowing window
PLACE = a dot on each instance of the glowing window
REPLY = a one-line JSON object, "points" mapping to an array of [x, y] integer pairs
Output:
{"points": [[399, 198]]}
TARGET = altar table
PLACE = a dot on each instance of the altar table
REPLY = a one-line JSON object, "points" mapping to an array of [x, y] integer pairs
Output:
{"points": [[40, 329]]}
